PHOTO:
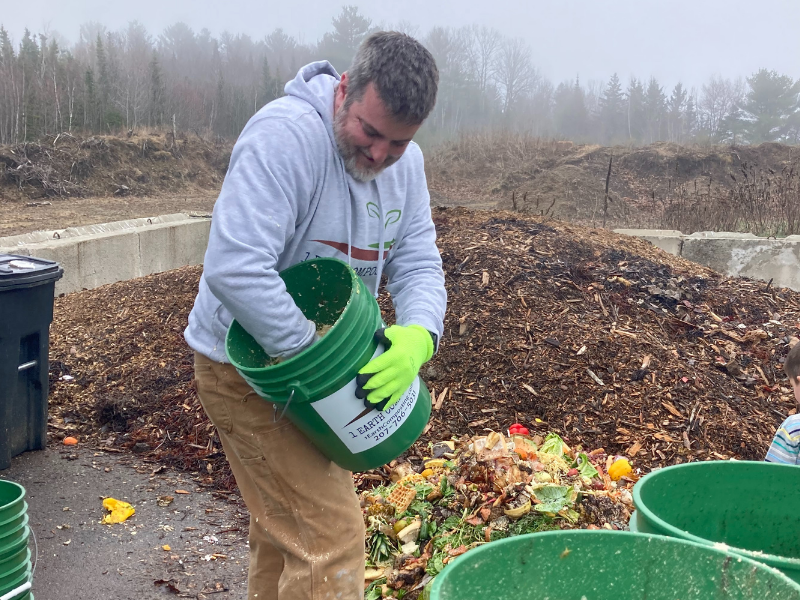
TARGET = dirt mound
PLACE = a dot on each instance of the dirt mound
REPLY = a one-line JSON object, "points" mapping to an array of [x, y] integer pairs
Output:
{"points": [[137, 165], [568, 182], [540, 177], [603, 339]]}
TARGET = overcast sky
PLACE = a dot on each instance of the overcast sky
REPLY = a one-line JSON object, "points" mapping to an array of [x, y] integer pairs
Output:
{"points": [[673, 40]]}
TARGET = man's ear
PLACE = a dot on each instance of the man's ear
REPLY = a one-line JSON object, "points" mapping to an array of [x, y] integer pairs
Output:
{"points": [[341, 92]]}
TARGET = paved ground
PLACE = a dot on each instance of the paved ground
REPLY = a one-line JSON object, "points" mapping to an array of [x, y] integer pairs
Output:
{"points": [[81, 558]]}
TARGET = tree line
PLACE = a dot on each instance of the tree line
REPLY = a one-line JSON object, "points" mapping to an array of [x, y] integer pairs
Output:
{"points": [[116, 81]]}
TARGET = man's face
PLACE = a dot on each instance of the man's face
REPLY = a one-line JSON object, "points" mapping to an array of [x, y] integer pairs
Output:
{"points": [[368, 137]]}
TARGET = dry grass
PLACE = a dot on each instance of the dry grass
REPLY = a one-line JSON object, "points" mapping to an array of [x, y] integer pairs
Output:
{"points": [[762, 201]]}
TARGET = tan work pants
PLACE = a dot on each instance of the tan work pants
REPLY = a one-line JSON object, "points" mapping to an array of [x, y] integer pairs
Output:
{"points": [[306, 528]]}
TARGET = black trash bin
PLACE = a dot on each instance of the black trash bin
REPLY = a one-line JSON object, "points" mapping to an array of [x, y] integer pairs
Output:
{"points": [[26, 310]]}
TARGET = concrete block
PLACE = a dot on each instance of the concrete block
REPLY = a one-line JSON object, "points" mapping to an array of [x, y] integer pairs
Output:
{"points": [[21, 250], [173, 245], [727, 235], [669, 240], [121, 225], [759, 258], [95, 255], [92, 261], [24, 239], [650, 232]]}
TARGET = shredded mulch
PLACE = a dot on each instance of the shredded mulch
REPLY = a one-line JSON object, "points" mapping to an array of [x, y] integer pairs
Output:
{"points": [[601, 338]]}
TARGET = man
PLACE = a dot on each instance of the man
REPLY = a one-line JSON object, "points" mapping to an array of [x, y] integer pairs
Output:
{"points": [[328, 170]]}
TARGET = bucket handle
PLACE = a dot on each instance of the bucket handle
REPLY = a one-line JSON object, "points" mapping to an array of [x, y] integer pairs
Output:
{"points": [[275, 417]]}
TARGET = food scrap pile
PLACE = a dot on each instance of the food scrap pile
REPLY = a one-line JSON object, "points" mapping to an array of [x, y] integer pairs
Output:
{"points": [[482, 489]]}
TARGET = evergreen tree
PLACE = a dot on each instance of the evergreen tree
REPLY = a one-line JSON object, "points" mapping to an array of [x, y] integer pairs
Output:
{"points": [[9, 100], [30, 59], [636, 111], [690, 117], [6, 48], [157, 93], [89, 101], [221, 115], [103, 83], [655, 108], [770, 107], [350, 27], [267, 83], [570, 113], [612, 111], [676, 109], [733, 128]]}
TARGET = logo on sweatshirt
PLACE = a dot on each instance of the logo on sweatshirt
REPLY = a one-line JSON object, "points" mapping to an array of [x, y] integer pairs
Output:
{"points": [[372, 251]]}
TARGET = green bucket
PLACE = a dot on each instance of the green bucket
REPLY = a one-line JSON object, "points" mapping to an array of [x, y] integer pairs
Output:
{"points": [[12, 500], [12, 523], [317, 387], [751, 509], [607, 565], [14, 544], [14, 579], [15, 558]]}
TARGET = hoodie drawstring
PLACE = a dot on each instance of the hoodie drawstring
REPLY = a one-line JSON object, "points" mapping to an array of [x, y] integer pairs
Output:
{"points": [[380, 242], [349, 227]]}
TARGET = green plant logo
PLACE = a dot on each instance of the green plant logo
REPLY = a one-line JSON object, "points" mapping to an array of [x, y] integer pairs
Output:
{"points": [[393, 216]]}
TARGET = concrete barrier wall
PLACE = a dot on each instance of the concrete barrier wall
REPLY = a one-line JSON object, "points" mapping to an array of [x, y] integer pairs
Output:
{"points": [[734, 254], [99, 254]]}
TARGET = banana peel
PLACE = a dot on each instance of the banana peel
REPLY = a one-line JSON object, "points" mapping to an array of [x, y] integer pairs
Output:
{"points": [[516, 513], [119, 511]]}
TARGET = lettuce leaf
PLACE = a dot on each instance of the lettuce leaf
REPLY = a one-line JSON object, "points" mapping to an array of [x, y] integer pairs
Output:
{"points": [[585, 467], [553, 498], [553, 444]]}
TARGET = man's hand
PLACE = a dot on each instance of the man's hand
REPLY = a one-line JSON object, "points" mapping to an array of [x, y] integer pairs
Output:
{"points": [[385, 378]]}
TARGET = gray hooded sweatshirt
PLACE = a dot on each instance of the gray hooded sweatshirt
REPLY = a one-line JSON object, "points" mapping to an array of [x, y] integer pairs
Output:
{"points": [[287, 198]]}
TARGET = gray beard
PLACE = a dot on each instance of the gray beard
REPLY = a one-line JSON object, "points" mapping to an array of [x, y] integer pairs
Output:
{"points": [[349, 152]]}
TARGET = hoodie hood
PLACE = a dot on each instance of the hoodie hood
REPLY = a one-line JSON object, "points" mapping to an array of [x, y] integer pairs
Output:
{"points": [[316, 84]]}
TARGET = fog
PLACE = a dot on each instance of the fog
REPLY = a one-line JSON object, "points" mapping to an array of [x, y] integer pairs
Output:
{"points": [[673, 40], [624, 72]]}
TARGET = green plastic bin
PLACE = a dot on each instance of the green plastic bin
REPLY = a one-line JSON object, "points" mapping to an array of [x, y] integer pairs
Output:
{"points": [[15, 557], [607, 565], [317, 387], [751, 509]]}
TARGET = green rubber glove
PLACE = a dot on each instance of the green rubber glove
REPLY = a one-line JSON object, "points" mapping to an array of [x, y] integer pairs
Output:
{"points": [[388, 376]]}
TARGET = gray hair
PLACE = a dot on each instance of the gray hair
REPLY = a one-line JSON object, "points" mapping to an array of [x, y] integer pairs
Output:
{"points": [[403, 71]]}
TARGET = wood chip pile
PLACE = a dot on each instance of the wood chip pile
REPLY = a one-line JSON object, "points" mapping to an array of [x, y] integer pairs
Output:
{"points": [[605, 340]]}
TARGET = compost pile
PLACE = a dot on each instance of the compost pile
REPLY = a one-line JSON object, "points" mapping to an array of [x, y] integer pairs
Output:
{"points": [[599, 338], [483, 489]]}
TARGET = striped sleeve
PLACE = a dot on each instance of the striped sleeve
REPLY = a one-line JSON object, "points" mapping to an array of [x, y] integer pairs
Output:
{"points": [[785, 446]]}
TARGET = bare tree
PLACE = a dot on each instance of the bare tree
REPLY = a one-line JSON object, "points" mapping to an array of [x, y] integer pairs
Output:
{"points": [[514, 72], [718, 98]]}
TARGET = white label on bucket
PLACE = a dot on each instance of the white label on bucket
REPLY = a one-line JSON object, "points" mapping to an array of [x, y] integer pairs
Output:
{"points": [[361, 429]]}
